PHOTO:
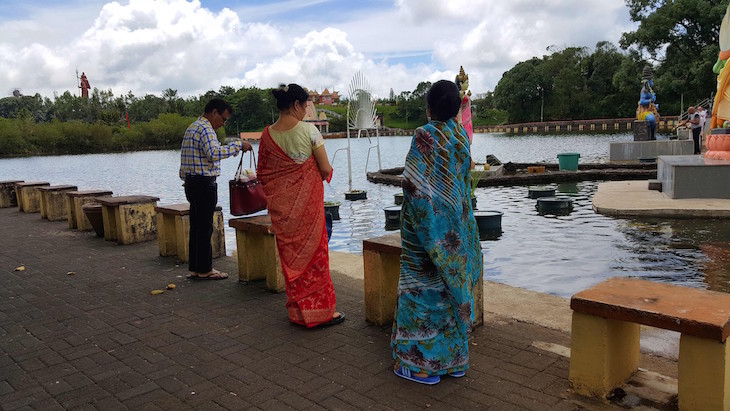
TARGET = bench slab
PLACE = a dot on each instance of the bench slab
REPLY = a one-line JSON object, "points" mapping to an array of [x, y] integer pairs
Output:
{"points": [[701, 313]]}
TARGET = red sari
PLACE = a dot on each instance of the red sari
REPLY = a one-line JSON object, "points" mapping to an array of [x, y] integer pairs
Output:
{"points": [[295, 200]]}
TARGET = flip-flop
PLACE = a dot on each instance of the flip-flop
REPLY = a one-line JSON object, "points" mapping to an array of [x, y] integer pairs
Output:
{"points": [[457, 374], [333, 321], [212, 276], [406, 373]]}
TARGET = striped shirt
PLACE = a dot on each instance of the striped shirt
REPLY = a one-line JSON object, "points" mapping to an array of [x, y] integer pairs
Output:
{"points": [[201, 152]]}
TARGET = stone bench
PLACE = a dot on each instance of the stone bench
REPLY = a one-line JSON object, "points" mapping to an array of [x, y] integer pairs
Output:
{"points": [[129, 219], [75, 200], [28, 196], [54, 206], [173, 231], [8, 197], [381, 258], [258, 257], [606, 331]]}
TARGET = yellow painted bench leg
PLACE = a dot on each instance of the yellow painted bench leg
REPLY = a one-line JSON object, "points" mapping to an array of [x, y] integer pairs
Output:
{"points": [[136, 223], [382, 271], [44, 204], [166, 234], [218, 239], [704, 374], [56, 206], [71, 212], [258, 259], [604, 353], [182, 236], [109, 216], [31, 199]]}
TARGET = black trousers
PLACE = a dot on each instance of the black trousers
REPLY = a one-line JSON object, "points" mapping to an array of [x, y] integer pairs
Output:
{"points": [[696, 137], [202, 193]]}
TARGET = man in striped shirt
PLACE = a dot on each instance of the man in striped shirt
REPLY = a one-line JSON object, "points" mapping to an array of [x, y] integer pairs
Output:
{"points": [[200, 158]]}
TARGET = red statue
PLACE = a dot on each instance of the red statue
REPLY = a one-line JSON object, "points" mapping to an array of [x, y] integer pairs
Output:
{"points": [[85, 86]]}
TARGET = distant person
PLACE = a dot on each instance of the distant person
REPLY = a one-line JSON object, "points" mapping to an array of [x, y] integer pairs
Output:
{"points": [[292, 165], [693, 121], [200, 158], [441, 259], [703, 120]]}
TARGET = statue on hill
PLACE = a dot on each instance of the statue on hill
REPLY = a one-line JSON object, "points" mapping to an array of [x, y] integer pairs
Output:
{"points": [[84, 85], [647, 110], [464, 114]]}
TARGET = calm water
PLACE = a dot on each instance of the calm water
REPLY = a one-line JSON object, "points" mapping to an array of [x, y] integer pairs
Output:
{"points": [[557, 255]]}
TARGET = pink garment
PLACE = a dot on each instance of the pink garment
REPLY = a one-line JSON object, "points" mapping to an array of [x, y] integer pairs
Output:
{"points": [[466, 117]]}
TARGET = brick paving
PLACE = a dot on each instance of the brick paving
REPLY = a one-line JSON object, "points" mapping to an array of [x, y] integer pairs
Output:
{"points": [[97, 340]]}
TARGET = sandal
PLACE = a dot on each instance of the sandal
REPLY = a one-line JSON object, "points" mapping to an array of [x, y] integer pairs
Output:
{"points": [[457, 374], [333, 321], [406, 373], [212, 275]]}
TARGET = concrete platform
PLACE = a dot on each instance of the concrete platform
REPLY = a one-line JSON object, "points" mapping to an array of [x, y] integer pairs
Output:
{"points": [[634, 150], [633, 198], [694, 176]]}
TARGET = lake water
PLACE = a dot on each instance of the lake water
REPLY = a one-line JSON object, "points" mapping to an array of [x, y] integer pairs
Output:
{"points": [[556, 255]]}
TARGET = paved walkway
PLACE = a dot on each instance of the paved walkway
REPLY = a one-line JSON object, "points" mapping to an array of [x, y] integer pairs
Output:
{"points": [[97, 339]]}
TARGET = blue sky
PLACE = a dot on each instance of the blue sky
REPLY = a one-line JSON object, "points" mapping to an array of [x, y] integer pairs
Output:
{"points": [[146, 46]]}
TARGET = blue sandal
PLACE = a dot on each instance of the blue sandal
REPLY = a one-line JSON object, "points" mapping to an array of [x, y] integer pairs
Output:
{"points": [[457, 374], [404, 372]]}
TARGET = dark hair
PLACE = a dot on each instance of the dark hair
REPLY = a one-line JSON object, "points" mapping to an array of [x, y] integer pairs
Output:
{"points": [[286, 95], [443, 100], [219, 105]]}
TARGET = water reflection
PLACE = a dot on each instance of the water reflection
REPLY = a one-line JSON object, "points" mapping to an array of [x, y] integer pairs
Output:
{"points": [[555, 254]]}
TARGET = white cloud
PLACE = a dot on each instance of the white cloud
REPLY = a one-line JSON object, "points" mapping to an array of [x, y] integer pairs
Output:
{"points": [[148, 46]]}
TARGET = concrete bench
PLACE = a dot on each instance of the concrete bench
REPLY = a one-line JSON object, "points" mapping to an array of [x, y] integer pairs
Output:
{"points": [[606, 330], [173, 231], [381, 258], [75, 200], [54, 206], [129, 219], [28, 196], [7, 193], [258, 257]]}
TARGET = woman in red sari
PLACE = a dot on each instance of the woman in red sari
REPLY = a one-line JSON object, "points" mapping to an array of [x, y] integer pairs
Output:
{"points": [[292, 164]]}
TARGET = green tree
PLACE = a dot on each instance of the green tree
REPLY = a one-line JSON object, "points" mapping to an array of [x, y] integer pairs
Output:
{"points": [[682, 37], [519, 91], [412, 106]]}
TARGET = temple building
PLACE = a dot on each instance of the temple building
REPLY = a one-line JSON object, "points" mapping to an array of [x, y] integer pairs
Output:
{"points": [[318, 119], [325, 98]]}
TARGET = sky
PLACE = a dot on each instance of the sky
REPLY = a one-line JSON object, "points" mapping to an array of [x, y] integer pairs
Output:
{"points": [[147, 46]]}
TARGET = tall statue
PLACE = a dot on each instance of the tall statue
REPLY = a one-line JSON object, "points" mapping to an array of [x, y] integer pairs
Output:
{"points": [[718, 141], [647, 110], [84, 86], [464, 115], [721, 106]]}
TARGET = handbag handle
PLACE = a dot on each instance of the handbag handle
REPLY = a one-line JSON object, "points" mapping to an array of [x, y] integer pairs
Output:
{"points": [[240, 165]]}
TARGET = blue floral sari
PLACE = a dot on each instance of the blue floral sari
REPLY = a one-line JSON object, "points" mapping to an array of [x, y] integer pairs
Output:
{"points": [[441, 260]]}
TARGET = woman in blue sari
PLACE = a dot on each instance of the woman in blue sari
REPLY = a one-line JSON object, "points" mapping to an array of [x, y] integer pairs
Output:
{"points": [[441, 260]]}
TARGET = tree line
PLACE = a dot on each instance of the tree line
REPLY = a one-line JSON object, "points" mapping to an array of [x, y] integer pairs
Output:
{"points": [[679, 39]]}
